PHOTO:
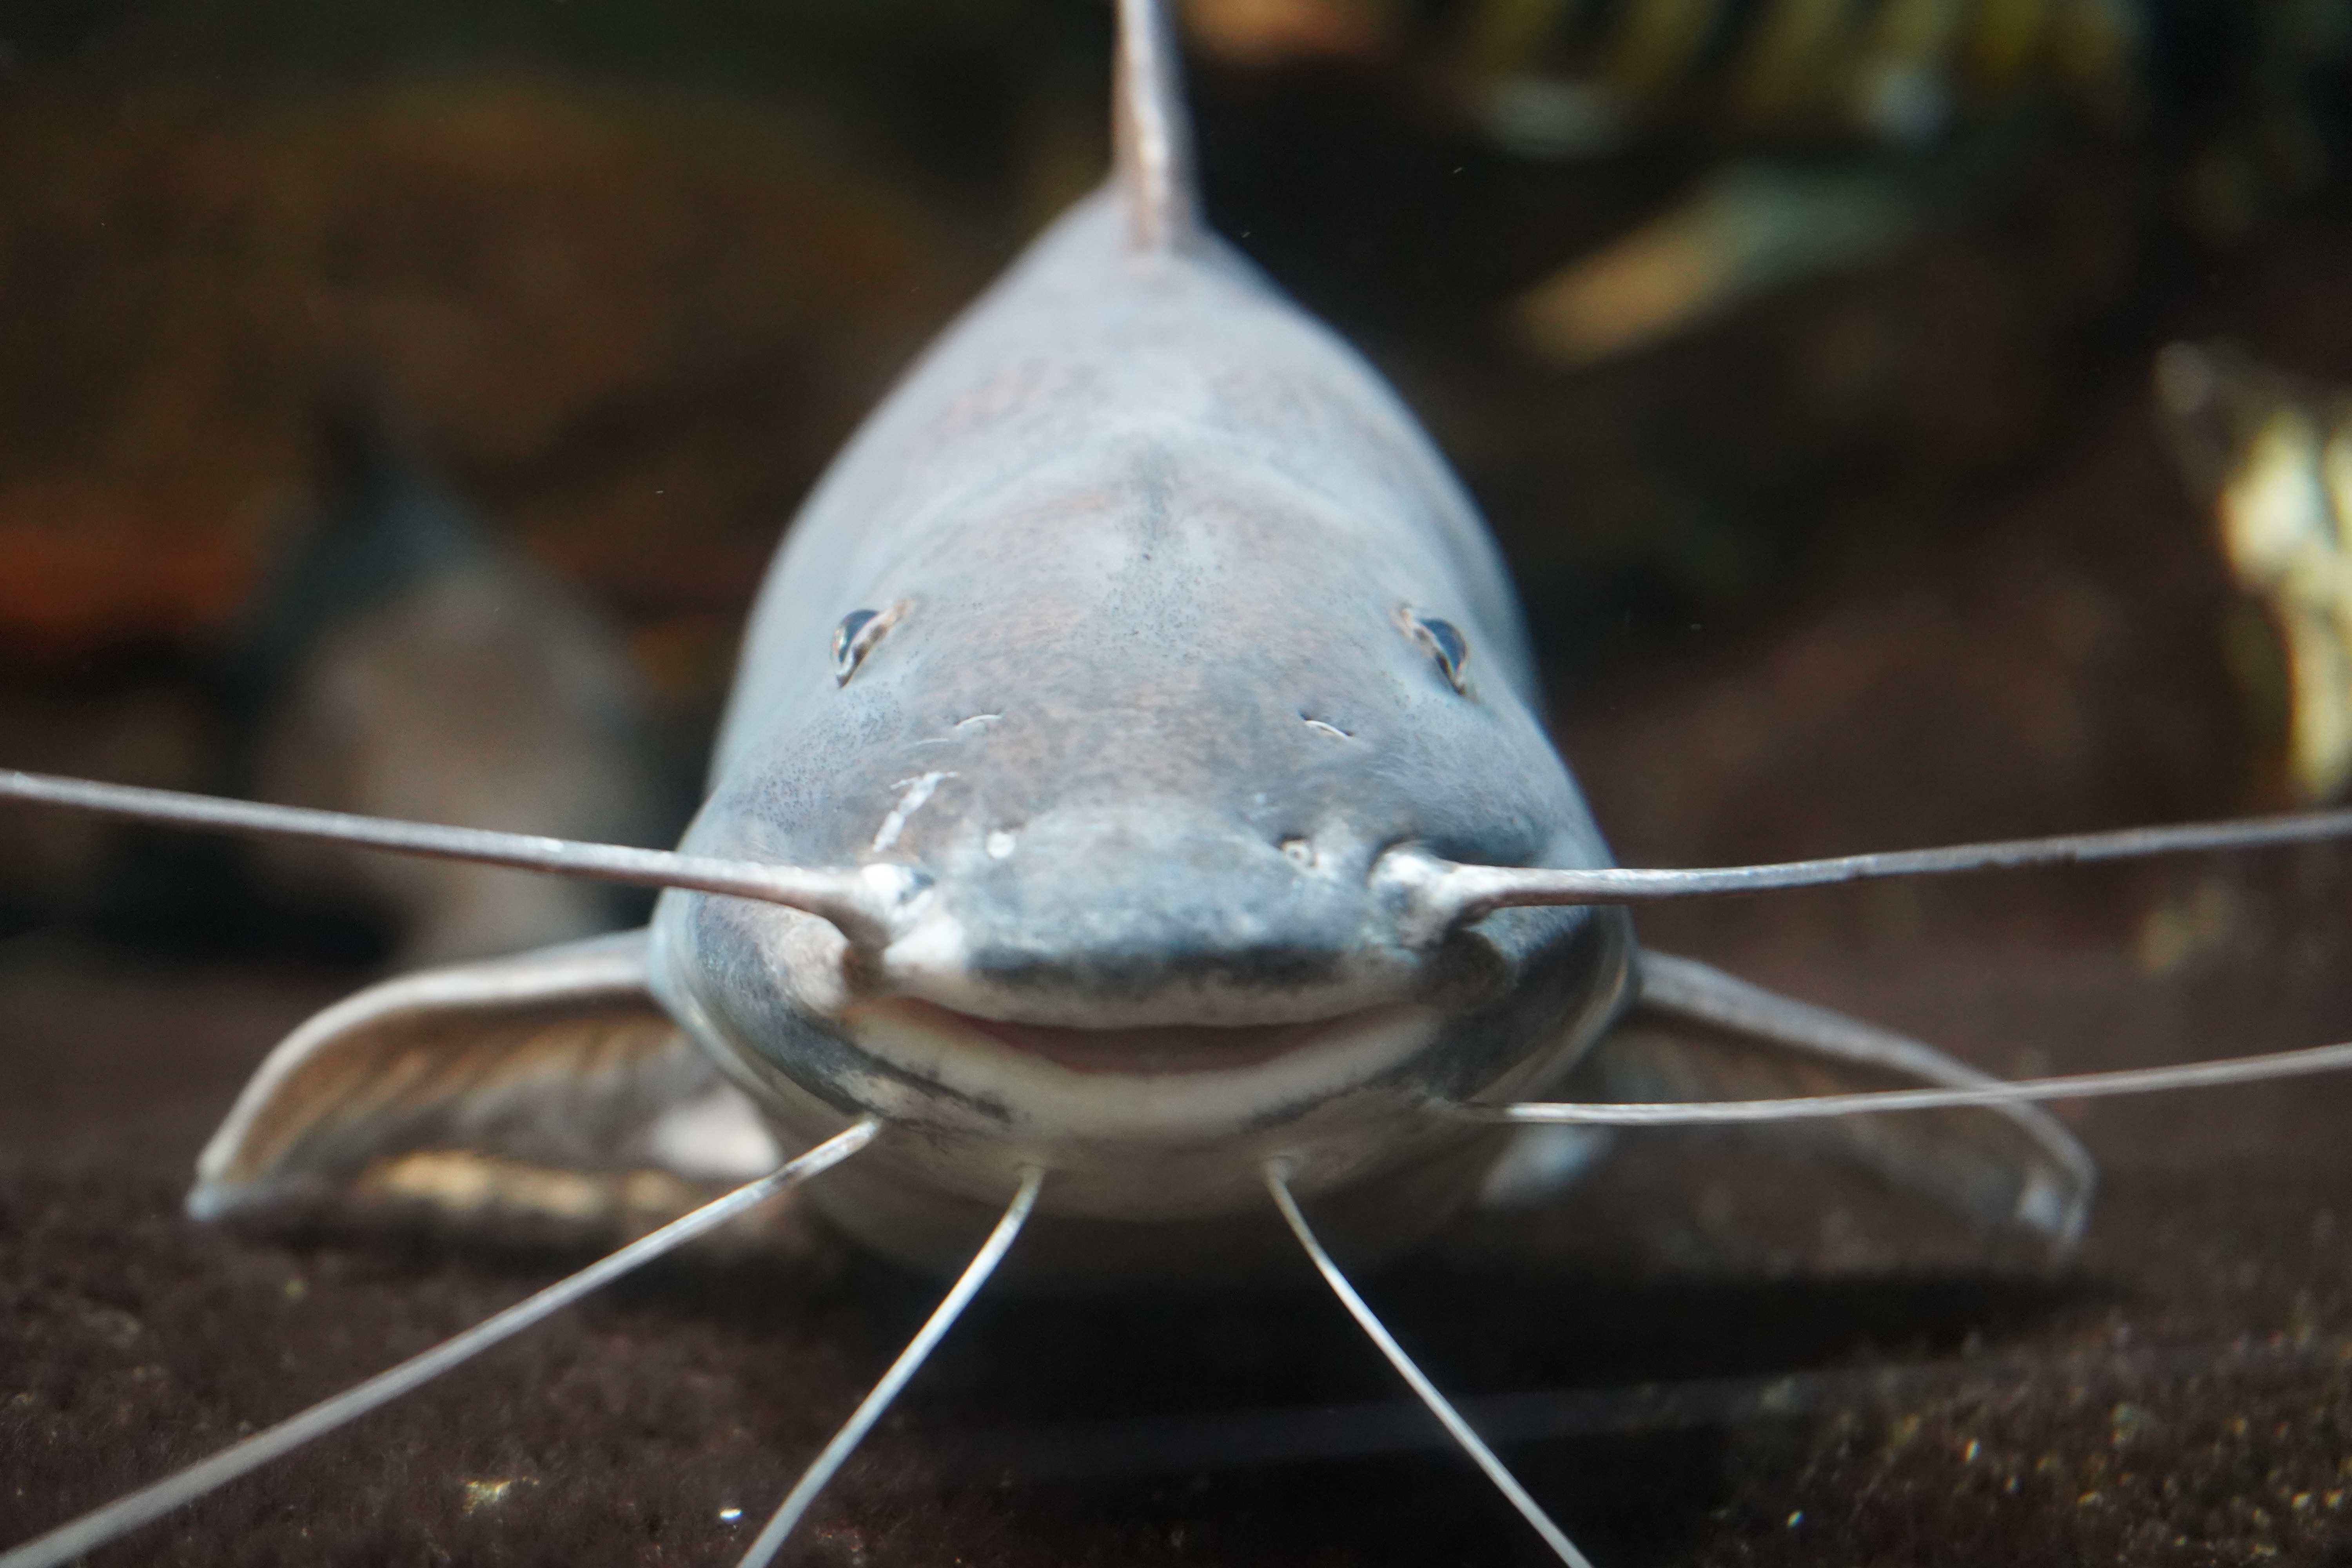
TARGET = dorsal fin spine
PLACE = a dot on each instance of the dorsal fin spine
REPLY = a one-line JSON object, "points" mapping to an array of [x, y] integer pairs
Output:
{"points": [[1152, 133]]}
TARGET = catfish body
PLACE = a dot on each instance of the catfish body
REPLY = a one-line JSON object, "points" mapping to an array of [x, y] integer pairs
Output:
{"points": [[1118, 710], [1153, 548]]}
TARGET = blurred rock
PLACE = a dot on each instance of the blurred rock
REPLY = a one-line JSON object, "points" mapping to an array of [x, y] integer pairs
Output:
{"points": [[2272, 456], [402, 662]]}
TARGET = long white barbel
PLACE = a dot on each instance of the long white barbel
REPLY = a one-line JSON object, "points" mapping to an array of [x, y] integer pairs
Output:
{"points": [[870, 1410], [127, 1513], [1278, 1183], [869, 903], [865, 901], [1446, 893], [2299, 1063]]}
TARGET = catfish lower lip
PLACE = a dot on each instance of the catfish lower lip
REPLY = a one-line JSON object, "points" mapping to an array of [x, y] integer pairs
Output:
{"points": [[1152, 1048]]}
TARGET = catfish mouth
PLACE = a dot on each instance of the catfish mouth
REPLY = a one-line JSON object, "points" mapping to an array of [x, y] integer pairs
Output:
{"points": [[1139, 1050]]}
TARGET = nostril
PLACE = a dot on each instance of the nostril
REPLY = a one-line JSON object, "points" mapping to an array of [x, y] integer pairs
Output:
{"points": [[1300, 852]]}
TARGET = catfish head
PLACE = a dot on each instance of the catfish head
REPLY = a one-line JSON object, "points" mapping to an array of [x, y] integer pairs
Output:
{"points": [[1145, 636]]}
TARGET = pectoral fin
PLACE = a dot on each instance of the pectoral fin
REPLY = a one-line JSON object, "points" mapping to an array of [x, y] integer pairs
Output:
{"points": [[1695, 1033], [538, 1081]]}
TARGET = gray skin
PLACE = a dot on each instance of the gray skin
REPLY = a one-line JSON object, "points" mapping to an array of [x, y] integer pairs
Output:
{"points": [[1147, 717]]}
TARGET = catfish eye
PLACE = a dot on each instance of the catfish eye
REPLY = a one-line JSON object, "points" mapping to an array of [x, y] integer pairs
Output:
{"points": [[855, 638], [1442, 641]]}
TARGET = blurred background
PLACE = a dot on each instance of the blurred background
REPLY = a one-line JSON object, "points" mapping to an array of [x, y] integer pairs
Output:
{"points": [[1907, 420], [1799, 350]]}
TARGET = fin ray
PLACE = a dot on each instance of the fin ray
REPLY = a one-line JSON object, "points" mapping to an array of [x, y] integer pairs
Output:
{"points": [[554, 1059]]}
